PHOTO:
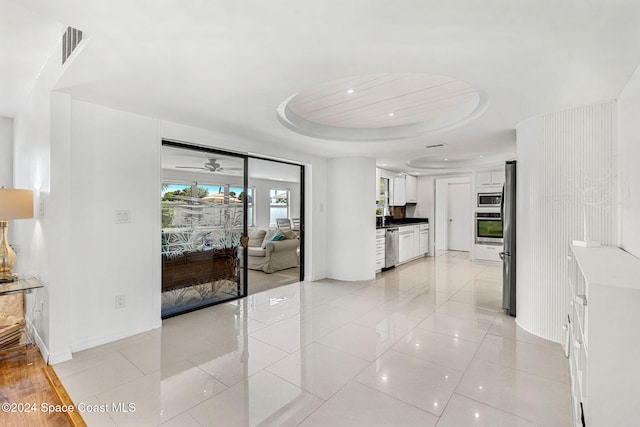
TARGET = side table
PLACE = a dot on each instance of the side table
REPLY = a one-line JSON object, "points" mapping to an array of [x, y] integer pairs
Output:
{"points": [[8, 339]]}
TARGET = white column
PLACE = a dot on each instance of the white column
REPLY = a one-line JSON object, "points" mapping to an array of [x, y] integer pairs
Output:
{"points": [[566, 160], [351, 220]]}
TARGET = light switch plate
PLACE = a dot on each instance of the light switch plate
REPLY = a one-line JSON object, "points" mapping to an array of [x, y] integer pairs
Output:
{"points": [[123, 216]]}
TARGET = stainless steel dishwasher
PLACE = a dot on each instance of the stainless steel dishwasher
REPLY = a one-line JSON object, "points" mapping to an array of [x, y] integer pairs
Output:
{"points": [[391, 247]]}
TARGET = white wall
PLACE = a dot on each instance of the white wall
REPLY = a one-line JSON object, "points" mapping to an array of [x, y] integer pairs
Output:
{"points": [[115, 158], [629, 176], [558, 155], [31, 170], [425, 208], [351, 218], [6, 148]]}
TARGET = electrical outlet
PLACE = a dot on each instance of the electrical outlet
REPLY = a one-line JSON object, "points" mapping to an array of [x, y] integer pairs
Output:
{"points": [[120, 301]]}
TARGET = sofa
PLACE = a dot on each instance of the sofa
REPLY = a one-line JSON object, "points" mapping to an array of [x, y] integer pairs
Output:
{"points": [[272, 250]]}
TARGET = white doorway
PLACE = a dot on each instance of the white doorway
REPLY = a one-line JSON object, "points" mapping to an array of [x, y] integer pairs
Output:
{"points": [[459, 221], [453, 214]]}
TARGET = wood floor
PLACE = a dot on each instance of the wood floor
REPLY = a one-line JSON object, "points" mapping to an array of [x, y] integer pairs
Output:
{"points": [[26, 383]]}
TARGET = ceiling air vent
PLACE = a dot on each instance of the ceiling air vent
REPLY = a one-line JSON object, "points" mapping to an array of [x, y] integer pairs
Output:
{"points": [[435, 145], [70, 39]]}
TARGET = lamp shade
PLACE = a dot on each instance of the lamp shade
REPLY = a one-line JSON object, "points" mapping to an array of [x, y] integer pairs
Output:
{"points": [[16, 204]]}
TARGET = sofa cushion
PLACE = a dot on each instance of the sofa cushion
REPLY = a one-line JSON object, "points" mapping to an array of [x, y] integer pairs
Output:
{"points": [[256, 237], [256, 251]]}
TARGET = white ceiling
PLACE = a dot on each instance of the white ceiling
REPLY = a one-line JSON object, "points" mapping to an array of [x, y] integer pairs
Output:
{"points": [[27, 40], [229, 65]]}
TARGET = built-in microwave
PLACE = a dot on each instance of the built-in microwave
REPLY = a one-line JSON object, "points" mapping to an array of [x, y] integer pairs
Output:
{"points": [[489, 227], [489, 200]]}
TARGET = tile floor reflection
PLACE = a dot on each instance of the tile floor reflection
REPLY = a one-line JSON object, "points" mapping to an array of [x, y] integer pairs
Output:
{"points": [[425, 344]]}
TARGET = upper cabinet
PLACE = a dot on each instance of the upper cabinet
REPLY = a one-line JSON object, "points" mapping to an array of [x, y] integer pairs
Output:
{"points": [[399, 192], [411, 188], [489, 178], [497, 177]]}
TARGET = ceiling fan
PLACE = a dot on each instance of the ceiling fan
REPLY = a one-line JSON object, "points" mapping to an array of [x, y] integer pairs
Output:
{"points": [[210, 165]]}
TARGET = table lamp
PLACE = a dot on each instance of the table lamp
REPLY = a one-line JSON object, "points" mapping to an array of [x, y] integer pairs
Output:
{"points": [[14, 204]]}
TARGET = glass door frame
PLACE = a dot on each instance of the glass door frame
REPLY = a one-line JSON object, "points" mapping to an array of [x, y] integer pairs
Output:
{"points": [[302, 203], [245, 183]]}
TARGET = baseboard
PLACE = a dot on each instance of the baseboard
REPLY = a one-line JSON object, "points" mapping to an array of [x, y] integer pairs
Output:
{"points": [[59, 357], [537, 335], [37, 340]]}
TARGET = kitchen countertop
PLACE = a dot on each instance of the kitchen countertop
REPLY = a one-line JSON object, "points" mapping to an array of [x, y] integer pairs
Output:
{"points": [[403, 221]]}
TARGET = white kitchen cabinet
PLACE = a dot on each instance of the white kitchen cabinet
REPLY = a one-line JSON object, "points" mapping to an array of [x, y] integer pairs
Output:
{"points": [[416, 242], [487, 252], [411, 188], [380, 248], [489, 178], [399, 192], [424, 239], [483, 178], [603, 338], [405, 243], [497, 178]]}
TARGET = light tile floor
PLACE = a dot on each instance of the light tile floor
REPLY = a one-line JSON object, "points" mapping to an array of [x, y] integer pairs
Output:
{"points": [[425, 344]]}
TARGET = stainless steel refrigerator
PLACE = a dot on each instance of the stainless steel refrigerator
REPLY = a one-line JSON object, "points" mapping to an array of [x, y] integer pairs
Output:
{"points": [[508, 255]]}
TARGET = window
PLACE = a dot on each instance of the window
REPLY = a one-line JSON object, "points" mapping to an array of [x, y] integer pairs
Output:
{"points": [[278, 205], [181, 207], [238, 194]]}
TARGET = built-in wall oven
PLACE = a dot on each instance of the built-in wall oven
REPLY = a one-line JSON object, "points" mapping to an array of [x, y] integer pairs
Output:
{"points": [[489, 200], [489, 227]]}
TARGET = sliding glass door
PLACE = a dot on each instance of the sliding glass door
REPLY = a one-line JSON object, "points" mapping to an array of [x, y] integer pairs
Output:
{"points": [[276, 236], [206, 206]]}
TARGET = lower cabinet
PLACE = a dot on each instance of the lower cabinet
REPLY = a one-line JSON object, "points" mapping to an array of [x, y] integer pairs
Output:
{"points": [[487, 252], [424, 239], [380, 248], [602, 335], [405, 244]]}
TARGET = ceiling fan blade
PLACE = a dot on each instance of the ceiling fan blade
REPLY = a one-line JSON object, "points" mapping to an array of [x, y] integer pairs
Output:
{"points": [[189, 167]]}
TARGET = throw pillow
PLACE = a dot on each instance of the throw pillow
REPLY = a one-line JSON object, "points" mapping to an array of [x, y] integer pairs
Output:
{"points": [[278, 236]]}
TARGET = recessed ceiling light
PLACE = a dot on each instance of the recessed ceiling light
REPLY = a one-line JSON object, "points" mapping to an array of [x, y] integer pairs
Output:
{"points": [[383, 164], [392, 114], [350, 90], [445, 159], [481, 155]]}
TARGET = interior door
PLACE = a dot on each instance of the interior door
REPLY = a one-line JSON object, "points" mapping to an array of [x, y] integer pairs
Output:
{"points": [[459, 216]]}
